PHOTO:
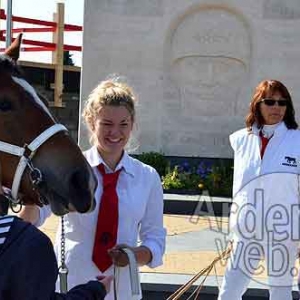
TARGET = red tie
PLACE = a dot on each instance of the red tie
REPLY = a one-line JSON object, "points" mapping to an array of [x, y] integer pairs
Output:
{"points": [[107, 225], [264, 143]]}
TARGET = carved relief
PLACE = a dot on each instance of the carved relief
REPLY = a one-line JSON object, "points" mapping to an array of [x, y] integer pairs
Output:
{"points": [[278, 9], [209, 53], [132, 7], [208, 85]]}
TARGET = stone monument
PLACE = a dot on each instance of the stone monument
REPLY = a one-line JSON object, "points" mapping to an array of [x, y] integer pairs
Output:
{"points": [[193, 64]]}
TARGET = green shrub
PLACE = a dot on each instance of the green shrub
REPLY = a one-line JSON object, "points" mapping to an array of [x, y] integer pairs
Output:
{"points": [[219, 181], [216, 178], [176, 179], [156, 160], [172, 180]]}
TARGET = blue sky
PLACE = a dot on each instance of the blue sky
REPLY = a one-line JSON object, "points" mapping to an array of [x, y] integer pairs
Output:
{"points": [[43, 10]]}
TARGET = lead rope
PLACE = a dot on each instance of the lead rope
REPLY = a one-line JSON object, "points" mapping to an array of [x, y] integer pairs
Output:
{"points": [[116, 276], [204, 272], [133, 272], [63, 270]]}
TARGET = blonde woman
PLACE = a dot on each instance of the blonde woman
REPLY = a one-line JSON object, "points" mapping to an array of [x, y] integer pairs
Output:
{"points": [[110, 116]]}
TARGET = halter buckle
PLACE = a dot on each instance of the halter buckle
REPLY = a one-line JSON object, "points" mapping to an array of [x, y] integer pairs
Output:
{"points": [[36, 177]]}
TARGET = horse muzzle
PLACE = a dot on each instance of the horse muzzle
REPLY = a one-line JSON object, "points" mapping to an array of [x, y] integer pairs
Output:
{"points": [[75, 193]]}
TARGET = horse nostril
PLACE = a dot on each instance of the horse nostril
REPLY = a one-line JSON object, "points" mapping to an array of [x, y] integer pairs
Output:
{"points": [[77, 180], [82, 188]]}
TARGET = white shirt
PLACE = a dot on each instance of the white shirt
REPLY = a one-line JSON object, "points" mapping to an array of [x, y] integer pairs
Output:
{"points": [[140, 196], [268, 130]]}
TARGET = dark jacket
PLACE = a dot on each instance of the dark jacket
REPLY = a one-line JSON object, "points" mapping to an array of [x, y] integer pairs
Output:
{"points": [[29, 267]]}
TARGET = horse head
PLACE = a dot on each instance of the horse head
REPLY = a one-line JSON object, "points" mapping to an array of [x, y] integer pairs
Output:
{"points": [[40, 162]]}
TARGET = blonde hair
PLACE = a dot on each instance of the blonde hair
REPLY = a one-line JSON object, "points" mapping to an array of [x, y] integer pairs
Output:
{"points": [[108, 93]]}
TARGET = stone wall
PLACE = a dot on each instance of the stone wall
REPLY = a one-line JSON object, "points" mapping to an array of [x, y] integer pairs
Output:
{"points": [[193, 63]]}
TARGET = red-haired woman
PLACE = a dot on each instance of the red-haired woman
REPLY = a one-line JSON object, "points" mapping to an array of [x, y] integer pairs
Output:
{"points": [[266, 172]]}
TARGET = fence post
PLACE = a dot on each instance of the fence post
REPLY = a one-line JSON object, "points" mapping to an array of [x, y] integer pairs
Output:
{"points": [[59, 55]]}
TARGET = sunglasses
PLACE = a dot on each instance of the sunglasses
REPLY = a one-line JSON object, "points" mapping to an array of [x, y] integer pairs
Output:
{"points": [[271, 102]]}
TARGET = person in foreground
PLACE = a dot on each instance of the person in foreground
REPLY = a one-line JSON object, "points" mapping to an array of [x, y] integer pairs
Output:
{"points": [[265, 194], [129, 199], [29, 267]]}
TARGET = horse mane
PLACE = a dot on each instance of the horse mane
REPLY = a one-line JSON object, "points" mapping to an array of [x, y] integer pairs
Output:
{"points": [[9, 65]]}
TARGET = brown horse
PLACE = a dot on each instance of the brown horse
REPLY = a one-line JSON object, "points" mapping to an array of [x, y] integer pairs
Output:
{"points": [[40, 162]]}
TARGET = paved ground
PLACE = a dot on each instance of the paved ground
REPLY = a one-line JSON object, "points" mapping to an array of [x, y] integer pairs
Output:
{"points": [[187, 250], [192, 244]]}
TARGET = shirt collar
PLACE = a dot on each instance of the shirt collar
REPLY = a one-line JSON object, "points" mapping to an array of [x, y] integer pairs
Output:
{"points": [[279, 130], [94, 158]]}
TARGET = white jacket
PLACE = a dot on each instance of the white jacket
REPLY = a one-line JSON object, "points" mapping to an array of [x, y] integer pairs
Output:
{"points": [[281, 155], [266, 191], [266, 210]]}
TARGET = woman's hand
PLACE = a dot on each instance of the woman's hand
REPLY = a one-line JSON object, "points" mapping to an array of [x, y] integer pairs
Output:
{"points": [[118, 256], [142, 255]]}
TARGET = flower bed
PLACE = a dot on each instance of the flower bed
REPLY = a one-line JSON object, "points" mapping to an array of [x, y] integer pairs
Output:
{"points": [[192, 175]]}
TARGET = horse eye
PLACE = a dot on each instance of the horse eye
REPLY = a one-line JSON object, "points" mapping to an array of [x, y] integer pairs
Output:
{"points": [[5, 105]]}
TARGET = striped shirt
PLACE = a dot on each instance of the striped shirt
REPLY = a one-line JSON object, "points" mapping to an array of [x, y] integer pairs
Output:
{"points": [[5, 225]]}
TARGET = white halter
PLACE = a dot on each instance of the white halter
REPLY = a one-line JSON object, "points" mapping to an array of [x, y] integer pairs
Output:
{"points": [[25, 159]]}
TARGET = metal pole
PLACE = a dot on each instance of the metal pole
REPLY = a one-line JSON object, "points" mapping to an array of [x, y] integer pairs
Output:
{"points": [[8, 23]]}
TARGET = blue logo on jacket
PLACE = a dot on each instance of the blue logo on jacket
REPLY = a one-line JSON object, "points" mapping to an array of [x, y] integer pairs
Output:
{"points": [[290, 161]]}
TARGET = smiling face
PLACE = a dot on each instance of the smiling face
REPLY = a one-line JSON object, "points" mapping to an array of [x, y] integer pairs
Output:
{"points": [[273, 114], [113, 127]]}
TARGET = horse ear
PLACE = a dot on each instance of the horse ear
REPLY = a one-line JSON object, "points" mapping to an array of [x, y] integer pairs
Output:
{"points": [[13, 51]]}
